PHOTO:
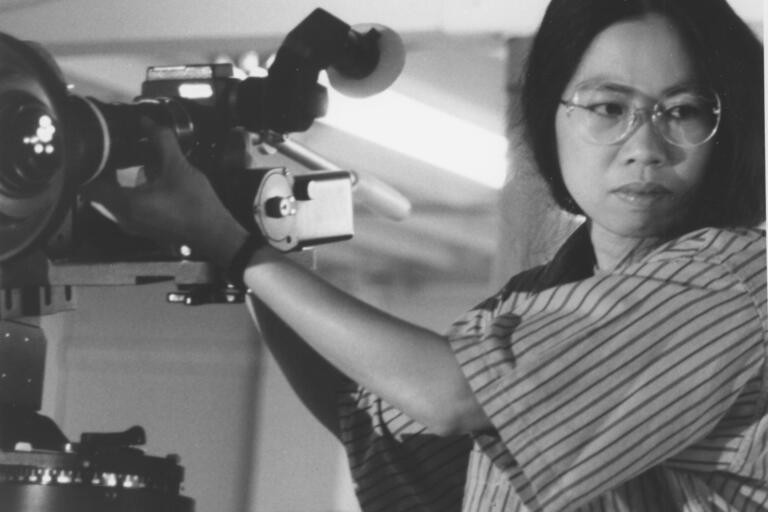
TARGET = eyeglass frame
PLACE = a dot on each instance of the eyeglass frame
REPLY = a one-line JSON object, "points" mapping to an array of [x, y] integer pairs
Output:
{"points": [[644, 114]]}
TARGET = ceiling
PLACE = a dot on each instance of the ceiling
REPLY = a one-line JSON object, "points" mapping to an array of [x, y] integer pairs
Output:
{"points": [[456, 62]]}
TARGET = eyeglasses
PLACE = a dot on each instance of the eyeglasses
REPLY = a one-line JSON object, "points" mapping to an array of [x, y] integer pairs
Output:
{"points": [[608, 115]]}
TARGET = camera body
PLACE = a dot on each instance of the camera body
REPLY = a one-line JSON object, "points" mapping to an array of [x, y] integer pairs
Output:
{"points": [[200, 104]]}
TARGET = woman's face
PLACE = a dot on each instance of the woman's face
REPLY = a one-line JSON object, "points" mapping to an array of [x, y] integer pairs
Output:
{"points": [[643, 185]]}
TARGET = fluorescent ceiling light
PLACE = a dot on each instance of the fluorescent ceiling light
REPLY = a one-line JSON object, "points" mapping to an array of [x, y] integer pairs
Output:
{"points": [[422, 132]]}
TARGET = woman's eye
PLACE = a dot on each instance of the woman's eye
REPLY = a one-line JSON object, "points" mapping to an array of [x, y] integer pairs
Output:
{"points": [[608, 109], [683, 112]]}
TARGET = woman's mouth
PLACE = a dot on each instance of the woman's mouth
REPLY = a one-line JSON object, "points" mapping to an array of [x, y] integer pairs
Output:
{"points": [[642, 193]]}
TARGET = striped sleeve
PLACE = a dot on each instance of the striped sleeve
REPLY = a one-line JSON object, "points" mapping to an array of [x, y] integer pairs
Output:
{"points": [[590, 383], [396, 464]]}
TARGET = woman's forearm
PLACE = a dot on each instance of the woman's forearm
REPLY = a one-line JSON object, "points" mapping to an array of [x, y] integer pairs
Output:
{"points": [[409, 366], [315, 381]]}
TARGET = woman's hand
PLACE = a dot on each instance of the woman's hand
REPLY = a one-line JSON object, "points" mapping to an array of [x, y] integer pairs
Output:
{"points": [[175, 204]]}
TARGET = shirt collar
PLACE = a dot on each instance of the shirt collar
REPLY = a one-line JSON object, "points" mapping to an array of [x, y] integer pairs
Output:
{"points": [[574, 261]]}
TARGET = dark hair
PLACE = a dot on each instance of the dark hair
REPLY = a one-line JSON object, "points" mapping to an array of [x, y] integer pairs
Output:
{"points": [[726, 53]]}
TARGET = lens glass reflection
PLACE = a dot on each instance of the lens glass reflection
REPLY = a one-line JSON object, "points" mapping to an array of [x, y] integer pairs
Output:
{"points": [[31, 153]]}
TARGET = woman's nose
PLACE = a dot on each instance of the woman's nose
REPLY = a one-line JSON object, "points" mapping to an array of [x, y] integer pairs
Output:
{"points": [[646, 145]]}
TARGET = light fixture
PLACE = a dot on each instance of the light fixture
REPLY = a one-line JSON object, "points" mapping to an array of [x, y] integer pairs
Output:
{"points": [[428, 134]]}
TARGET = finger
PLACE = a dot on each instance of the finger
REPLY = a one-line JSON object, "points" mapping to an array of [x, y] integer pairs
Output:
{"points": [[164, 147], [131, 208], [108, 194]]}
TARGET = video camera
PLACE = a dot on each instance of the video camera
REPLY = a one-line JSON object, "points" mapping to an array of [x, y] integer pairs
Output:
{"points": [[53, 144]]}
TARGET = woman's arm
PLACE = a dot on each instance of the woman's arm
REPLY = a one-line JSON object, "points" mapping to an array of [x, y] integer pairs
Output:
{"points": [[410, 367], [313, 379]]}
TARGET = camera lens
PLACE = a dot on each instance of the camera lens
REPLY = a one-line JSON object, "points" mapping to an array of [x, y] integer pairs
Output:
{"points": [[30, 149]]}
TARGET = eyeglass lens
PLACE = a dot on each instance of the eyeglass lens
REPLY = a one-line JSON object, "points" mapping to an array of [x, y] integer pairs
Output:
{"points": [[686, 118]]}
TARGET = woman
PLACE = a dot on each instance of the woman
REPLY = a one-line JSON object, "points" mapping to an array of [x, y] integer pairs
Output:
{"points": [[626, 374]]}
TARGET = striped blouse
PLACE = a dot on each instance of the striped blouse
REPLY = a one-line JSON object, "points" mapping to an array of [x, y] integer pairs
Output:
{"points": [[638, 389]]}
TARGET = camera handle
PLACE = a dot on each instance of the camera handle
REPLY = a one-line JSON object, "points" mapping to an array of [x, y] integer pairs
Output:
{"points": [[380, 197]]}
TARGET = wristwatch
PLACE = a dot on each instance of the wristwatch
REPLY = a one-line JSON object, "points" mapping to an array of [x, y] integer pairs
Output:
{"points": [[235, 271]]}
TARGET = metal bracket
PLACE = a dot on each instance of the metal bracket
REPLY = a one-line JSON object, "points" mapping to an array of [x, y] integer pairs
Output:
{"points": [[35, 301]]}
